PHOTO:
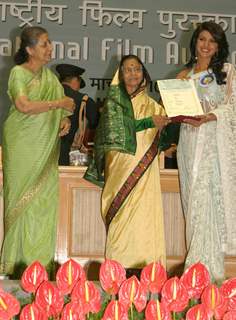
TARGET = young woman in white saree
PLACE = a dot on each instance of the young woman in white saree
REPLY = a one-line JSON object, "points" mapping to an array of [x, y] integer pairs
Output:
{"points": [[207, 155]]}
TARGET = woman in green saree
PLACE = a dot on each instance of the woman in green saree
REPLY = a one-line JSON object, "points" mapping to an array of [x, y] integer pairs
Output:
{"points": [[126, 148], [37, 117]]}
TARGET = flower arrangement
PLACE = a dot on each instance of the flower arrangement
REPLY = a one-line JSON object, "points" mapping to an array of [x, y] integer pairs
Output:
{"points": [[153, 297]]}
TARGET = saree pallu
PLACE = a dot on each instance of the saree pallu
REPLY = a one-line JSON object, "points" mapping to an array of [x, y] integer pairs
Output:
{"points": [[136, 234], [30, 173]]}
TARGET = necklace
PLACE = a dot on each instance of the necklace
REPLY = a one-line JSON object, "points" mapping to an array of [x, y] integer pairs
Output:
{"points": [[197, 68], [32, 70]]}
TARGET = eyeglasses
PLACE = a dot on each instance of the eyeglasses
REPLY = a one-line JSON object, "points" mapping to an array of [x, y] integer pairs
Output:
{"points": [[134, 69], [44, 44]]}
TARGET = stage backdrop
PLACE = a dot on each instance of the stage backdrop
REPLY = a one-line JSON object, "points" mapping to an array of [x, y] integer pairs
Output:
{"points": [[95, 34]]}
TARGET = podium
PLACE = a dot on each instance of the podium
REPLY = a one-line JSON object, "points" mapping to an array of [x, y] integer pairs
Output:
{"points": [[81, 232]]}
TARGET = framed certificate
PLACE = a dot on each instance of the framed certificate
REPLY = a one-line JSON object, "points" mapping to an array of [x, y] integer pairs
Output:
{"points": [[179, 97]]}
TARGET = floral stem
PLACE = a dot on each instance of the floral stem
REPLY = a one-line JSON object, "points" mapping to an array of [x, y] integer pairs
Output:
{"points": [[132, 313]]}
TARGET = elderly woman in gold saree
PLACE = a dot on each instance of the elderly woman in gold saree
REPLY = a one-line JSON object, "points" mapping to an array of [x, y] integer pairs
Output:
{"points": [[126, 147], [37, 117]]}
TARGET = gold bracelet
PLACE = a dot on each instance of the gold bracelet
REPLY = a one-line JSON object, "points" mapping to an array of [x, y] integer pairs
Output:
{"points": [[51, 106]]}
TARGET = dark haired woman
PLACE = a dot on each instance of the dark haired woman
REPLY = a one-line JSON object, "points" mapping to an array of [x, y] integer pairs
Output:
{"points": [[37, 117], [206, 153], [126, 152]]}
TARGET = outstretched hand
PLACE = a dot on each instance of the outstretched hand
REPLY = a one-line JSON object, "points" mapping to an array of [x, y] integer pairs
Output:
{"points": [[160, 121]]}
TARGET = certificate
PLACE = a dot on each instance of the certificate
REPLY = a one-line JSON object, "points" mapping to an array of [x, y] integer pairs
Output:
{"points": [[180, 97]]}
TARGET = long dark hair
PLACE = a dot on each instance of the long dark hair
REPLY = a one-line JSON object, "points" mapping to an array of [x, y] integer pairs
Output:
{"points": [[146, 75], [29, 38], [218, 60]]}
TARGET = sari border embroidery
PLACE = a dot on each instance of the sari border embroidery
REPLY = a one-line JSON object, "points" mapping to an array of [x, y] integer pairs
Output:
{"points": [[131, 181], [13, 214], [6, 267]]}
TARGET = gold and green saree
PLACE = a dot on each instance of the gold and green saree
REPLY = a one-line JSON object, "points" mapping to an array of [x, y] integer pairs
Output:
{"points": [[30, 173], [135, 235], [132, 212]]}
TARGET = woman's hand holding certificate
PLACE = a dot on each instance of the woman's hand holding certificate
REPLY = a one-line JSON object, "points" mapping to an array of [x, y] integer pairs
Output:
{"points": [[199, 120], [180, 100]]}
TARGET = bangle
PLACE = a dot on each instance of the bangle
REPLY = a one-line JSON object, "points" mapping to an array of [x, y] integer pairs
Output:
{"points": [[51, 106]]}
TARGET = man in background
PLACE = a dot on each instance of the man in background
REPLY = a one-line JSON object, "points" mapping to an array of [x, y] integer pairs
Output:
{"points": [[86, 113]]}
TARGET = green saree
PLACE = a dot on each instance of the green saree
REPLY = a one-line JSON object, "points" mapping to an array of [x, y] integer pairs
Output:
{"points": [[30, 173]]}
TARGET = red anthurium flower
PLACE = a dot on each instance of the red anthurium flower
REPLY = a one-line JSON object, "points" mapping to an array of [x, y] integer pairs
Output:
{"points": [[195, 279], [231, 315], [68, 274], [214, 301], [111, 276], [153, 277], [132, 291], [33, 276], [88, 294], [174, 295], [198, 312], [228, 289], [73, 311], [49, 299], [9, 305], [32, 312], [156, 311], [115, 310]]}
